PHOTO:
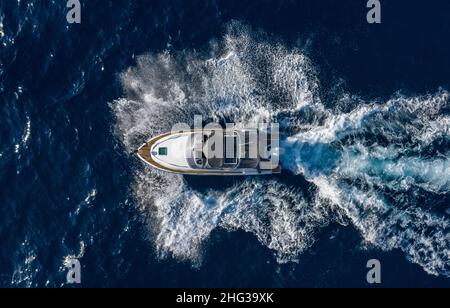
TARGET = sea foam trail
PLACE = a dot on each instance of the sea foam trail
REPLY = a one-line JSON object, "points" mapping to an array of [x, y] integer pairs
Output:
{"points": [[375, 184], [351, 160]]}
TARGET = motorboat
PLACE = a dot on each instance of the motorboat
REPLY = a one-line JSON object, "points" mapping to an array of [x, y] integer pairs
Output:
{"points": [[251, 151]]}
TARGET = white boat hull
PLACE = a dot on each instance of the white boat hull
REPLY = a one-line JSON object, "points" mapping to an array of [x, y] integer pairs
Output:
{"points": [[166, 152]]}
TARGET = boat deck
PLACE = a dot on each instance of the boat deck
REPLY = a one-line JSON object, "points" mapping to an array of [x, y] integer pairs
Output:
{"points": [[144, 153]]}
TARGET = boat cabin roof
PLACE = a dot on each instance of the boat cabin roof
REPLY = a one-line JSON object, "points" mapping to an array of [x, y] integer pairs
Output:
{"points": [[236, 153]]}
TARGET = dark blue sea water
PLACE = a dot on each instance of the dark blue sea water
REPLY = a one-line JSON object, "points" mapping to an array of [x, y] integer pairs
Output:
{"points": [[364, 113]]}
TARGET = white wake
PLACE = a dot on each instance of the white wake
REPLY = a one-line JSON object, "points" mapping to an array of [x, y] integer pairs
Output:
{"points": [[364, 165]]}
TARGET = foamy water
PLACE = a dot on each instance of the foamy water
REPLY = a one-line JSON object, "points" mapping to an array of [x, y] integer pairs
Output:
{"points": [[352, 159]]}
